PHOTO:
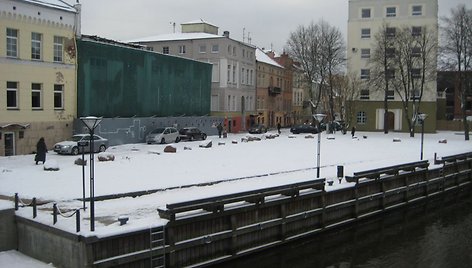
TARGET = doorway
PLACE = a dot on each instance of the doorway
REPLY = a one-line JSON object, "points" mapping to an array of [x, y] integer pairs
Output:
{"points": [[391, 120], [9, 139]]}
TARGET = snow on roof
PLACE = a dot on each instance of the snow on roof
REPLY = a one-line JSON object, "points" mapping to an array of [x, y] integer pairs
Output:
{"points": [[58, 4], [198, 21], [175, 36], [262, 57]]}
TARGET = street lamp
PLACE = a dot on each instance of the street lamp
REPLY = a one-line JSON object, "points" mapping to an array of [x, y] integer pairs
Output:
{"points": [[421, 117], [91, 122], [319, 118]]}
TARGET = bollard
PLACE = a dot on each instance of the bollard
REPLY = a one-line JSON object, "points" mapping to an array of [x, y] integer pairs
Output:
{"points": [[35, 212], [54, 213], [340, 171], [16, 201], [77, 220]]}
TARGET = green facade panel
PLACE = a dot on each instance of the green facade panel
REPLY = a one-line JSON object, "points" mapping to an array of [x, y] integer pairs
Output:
{"points": [[115, 80]]}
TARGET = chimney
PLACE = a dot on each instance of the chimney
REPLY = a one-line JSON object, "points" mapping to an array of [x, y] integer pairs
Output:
{"points": [[226, 34]]}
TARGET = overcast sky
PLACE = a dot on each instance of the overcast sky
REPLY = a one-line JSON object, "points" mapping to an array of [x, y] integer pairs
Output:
{"points": [[267, 22]]}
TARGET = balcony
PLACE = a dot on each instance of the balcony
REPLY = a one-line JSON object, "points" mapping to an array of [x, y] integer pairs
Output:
{"points": [[274, 91]]}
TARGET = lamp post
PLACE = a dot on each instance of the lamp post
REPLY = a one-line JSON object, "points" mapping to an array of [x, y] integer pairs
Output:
{"points": [[319, 118], [91, 122], [82, 145], [421, 117]]}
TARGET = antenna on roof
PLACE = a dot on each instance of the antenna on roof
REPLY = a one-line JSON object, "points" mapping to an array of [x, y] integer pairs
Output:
{"points": [[249, 37], [244, 34], [173, 25]]}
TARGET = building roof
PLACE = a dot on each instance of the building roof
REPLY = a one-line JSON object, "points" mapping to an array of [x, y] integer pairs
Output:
{"points": [[263, 57], [175, 37], [57, 4], [198, 21]]}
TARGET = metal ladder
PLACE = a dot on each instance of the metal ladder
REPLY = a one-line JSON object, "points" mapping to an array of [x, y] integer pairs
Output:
{"points": [[157, 240]]}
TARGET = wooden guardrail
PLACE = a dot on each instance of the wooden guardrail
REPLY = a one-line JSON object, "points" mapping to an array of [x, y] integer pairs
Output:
{"points": [[454, 158], [216, 204], [375, 174]]}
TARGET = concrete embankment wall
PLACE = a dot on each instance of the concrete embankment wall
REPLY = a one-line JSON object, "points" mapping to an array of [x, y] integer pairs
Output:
{"points": [[8, 234], [217, 229]]}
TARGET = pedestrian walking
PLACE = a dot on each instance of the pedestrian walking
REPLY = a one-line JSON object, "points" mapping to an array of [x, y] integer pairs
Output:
{"points": [[353, 131], [220, 129], [278, 127], [41, 150]]}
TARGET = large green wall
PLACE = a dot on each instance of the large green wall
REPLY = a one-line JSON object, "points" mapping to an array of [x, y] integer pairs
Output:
{"points": [[114, 80]]}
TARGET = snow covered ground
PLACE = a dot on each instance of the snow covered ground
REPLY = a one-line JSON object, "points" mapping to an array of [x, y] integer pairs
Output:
{"points": [[234, 166], [231, 164]]}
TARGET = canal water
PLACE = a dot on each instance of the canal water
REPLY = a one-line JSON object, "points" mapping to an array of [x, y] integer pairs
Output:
{"points": [[432, 235]]}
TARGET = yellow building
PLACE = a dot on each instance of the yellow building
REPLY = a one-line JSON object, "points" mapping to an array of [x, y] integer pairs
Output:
{"points": [[269, 91], [38, 73]]}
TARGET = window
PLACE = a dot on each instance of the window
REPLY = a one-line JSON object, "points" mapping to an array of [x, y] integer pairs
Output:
{"points": [[234, 73], [250, 78], [416, 31], [415, 73], [165, 50], [416, 52], [390, 32], [365, 33], [390, 95], [12, 95], [391, 12], [242, 76], [361, 118], [58, 48], [415, 95], [203, 48], [390, 52], [229, 73], [215, 49], [365, 53], [36, 96], [417, 10], [390, 74], [12, 42], [365, 13], [58, 97], [182, 49], [234, 51], [36, 46], [365, 74], [365, 95]]}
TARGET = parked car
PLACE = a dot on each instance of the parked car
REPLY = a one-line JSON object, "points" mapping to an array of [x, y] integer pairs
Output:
{"points": [[304, 128], [163, 135], [335, 125], [257, 129], [191, 134], [72, 145]]}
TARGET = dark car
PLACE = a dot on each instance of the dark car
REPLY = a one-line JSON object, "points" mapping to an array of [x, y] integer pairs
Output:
{"points": [[192, 134], [257, 129], [305, 128], [335, 126]]}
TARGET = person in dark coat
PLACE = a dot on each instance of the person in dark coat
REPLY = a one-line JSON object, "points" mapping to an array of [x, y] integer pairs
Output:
{"points": [[278, 127], [220, 129], [41, 150], [353, 131]]}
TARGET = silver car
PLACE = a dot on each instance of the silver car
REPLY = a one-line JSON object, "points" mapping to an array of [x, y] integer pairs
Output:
{"points": [[163, 135], [75, 143]]}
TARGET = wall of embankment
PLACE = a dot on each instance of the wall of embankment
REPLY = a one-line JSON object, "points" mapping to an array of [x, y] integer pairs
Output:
{"points": [[217, 229]]}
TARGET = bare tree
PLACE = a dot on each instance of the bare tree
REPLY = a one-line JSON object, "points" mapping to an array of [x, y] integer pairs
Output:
{"points": [[382, 64], [406, 60], [320, 50], [456, 51]]}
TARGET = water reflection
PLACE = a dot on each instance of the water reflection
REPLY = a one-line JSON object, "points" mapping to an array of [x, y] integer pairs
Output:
{"points": [[431, 235]]}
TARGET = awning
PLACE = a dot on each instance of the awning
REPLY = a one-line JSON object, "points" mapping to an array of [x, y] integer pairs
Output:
{"points": [[15, 126]]}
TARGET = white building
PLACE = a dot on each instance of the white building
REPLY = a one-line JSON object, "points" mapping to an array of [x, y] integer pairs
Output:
{"points": [[366, 18]]}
